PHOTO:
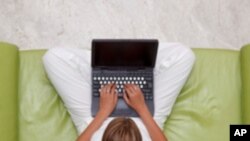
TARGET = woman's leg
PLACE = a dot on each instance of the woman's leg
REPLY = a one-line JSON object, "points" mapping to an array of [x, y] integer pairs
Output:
{"points": [[69, 70], [173, 65]]}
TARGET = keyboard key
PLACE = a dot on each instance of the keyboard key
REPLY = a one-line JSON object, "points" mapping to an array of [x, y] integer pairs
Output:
{"points": [[95, 82], [96, 94], [150, 85]]}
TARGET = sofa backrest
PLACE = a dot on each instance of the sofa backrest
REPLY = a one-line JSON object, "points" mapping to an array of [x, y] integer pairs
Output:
{"points": [[245, 76], [9, 60]]}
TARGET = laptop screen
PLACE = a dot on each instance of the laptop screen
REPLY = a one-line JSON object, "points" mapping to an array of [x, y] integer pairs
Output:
{"points": [[124, 53]]}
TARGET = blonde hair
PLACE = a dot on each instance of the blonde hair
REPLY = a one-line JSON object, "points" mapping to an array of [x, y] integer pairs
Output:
{"points": [[122, 129]]}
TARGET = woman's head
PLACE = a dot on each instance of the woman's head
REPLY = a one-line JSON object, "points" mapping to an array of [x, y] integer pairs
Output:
{"points": [[122, 129]]}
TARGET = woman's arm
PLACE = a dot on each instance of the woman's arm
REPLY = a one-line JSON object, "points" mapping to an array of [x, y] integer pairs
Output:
{"points": [[92, 127], [134, 98], [108, 100], [155, 132]]}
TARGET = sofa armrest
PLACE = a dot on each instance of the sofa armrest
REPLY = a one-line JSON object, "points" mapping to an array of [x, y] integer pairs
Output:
{"points": [[245, 76], [9, 56]]}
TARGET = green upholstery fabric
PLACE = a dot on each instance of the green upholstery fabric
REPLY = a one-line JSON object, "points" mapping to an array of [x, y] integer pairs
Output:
{"points": [[42, 115], [245, 67], [8, 92], [210, 100], [208, 103], [215, 96]]}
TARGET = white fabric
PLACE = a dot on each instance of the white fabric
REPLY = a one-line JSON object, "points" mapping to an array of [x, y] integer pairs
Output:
{"points": [[70, 72]]}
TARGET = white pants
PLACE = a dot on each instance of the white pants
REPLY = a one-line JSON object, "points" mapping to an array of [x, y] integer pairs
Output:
{"points": [[70, 72]]}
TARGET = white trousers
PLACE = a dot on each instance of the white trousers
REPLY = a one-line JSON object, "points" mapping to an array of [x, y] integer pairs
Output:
{"points": [[70, 72]]}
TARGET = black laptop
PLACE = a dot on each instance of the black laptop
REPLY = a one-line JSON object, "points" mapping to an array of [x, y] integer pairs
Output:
{"points": [[123, 61]]}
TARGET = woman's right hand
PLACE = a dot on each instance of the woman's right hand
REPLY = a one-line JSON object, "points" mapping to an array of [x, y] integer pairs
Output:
{"points": [[108, 99], [134, 98]]}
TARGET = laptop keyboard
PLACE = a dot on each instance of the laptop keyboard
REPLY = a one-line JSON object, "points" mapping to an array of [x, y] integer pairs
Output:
{"points": [[143, 80]]}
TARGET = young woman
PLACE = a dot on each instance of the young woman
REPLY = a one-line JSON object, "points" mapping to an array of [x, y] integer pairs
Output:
{"points": [[70, 72]]}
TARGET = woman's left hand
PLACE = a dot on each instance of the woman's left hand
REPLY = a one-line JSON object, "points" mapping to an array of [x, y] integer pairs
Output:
{"points": [[108, 99]]}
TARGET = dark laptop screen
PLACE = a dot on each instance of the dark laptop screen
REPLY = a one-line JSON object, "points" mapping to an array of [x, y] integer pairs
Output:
{"points": [[124, 53]]}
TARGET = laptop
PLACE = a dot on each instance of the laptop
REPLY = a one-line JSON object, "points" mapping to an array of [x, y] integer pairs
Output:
{"points": [[123, 61]]}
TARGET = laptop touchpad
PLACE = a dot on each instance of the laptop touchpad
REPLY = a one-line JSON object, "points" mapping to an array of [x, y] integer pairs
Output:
{"points": [[121, 104]]}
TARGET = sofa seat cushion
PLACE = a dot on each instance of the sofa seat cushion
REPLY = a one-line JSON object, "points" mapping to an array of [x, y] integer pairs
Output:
{"points": [[210, 99], [42, 115]]}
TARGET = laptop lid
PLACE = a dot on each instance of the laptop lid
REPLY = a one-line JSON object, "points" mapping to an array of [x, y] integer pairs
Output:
{"points": [[124, 53]]}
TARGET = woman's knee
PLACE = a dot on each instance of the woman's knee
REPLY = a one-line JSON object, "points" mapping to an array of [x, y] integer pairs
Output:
{"points": [[178, 51], [55, 54], [189, 55], [185, 53]]}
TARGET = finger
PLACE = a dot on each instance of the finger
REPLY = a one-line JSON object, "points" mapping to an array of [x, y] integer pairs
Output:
{"points": [[137, 88], [102, 90], [113, 88], [125, 97], [130, 89], [111, 91], [127, 86], [114, 93], [128, 92], [134, 87], [101, 87], [107, 88], [115, 98]]}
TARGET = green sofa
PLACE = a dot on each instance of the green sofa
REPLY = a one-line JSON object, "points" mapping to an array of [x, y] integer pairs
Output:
{"points": [[216, 95]]}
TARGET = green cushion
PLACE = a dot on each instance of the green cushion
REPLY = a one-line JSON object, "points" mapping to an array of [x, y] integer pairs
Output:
{"points": [[245, 71], [8, 92], [207, 105], [42, 115], [210, 100]]}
